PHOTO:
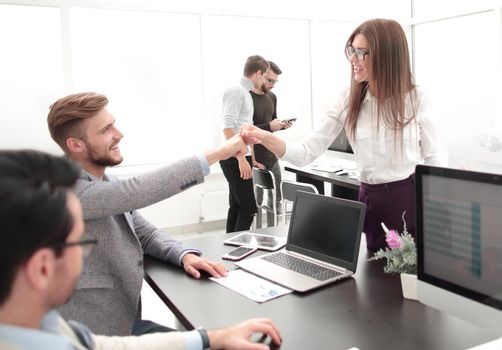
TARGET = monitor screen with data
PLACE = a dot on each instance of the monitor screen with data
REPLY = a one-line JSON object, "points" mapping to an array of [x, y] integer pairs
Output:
{"points": [[459, 242]]}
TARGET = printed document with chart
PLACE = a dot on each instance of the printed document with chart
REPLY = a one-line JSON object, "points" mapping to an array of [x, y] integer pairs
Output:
{"points": [[251, 286]]}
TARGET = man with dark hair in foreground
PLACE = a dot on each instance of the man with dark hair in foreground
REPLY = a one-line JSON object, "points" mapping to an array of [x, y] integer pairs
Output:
{"points": [[41, 257]]}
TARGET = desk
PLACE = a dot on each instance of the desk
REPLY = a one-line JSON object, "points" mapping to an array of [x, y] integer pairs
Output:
{"points": [[341, 186], [367, 311]]}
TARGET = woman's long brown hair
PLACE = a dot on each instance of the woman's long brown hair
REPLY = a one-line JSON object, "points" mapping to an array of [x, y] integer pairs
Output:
{"points": [[390, 76]]}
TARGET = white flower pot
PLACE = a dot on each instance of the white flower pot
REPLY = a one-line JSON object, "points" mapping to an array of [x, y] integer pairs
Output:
{"points": [[409, 286]]}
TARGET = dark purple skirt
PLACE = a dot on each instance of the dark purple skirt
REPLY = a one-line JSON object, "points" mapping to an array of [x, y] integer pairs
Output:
{"points": [[386, 203]]}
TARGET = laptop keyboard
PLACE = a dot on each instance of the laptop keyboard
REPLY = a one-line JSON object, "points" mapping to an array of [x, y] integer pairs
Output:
{"points": [[301, 266]]}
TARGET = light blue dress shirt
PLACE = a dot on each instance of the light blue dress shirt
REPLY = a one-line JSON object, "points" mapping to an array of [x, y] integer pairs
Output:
{"points": [[47, 337], [203, 164]]}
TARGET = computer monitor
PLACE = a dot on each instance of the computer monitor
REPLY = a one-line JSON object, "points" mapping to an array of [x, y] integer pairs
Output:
{"points": [[341, 143], [459, 243]]}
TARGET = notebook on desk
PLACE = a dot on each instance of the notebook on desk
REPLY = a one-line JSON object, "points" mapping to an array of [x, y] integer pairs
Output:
{"points": [[322, 247]]}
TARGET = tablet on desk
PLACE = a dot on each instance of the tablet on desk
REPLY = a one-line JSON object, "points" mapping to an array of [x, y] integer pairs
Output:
{"points": [[251, 239]]}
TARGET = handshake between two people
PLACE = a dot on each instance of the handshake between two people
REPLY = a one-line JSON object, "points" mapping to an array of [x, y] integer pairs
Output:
{"points": [[236, 146], [253, 135]]}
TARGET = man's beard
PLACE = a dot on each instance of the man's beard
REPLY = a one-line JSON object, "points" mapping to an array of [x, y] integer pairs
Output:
{"points": [[264, 88], [101, 160]]}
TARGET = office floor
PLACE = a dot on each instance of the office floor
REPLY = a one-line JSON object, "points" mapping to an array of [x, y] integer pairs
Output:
{"points": [[154, 309]]}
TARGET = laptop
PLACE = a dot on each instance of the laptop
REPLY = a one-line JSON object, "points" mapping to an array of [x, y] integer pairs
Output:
{"points": [[322, 246]]}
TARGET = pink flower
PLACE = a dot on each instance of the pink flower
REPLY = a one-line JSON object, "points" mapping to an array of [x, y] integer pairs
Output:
{"points": [[393, 239]]}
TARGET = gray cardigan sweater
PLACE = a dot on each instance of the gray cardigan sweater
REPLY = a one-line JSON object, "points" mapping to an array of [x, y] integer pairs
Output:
{"points": [[107, 294]]}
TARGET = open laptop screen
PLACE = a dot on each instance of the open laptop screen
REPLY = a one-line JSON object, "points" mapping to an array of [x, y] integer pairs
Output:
{"points": [[326, 228]]}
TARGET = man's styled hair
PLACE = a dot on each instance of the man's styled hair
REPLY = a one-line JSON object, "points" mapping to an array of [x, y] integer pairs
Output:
{"points": [[66, 115], [275, 68], [33, 208], [254, 64]]}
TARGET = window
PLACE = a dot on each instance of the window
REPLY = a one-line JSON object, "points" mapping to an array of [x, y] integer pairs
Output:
{"points": [[149, 66], [31, 71]]}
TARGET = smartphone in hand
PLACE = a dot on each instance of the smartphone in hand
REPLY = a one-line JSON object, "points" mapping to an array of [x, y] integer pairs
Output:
{"points": [[239, 253], [290, 120]]}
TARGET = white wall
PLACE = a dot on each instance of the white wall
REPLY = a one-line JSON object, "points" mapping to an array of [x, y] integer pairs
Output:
{"points": [[165, 65]]}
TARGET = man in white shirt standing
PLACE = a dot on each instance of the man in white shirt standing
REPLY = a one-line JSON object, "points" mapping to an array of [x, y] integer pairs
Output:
{"points": [[237, 111]]}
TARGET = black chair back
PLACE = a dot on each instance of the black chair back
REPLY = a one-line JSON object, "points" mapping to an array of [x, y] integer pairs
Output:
{"points": [[263, 178]]}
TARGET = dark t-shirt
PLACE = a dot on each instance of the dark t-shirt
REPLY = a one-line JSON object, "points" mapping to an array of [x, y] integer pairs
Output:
{"points": [[264, 112]]}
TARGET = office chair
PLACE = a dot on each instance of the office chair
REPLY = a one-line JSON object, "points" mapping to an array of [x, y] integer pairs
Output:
{"points": [[265, 180], [289, 189]]}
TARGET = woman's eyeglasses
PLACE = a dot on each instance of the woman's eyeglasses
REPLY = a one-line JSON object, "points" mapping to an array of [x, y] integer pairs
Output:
{"points": [[87, 245], [351, 50]]}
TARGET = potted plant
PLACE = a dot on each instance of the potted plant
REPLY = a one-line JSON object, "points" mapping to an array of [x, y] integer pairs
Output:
{"points": [[401, 255]]}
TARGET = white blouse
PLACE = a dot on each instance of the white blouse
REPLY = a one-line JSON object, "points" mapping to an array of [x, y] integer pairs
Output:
{"points": [[380, 157]]}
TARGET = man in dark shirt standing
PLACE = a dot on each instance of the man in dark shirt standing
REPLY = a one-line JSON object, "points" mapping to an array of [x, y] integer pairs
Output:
{"points": [[265, 117]]}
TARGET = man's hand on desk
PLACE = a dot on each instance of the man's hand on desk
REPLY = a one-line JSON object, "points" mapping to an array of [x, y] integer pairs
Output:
{"points": [[193, 263], [238, 337]]}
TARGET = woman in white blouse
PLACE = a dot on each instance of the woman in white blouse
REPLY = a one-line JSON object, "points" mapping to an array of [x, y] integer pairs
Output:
{"points": [[388, 123]]}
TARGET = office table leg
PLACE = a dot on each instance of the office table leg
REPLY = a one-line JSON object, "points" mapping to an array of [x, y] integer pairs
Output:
{"points": [[318, 184], [343, 192], [259, 218]]}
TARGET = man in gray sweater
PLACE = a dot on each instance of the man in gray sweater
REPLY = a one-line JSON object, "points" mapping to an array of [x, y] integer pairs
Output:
{"points": [[107, 294]]}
